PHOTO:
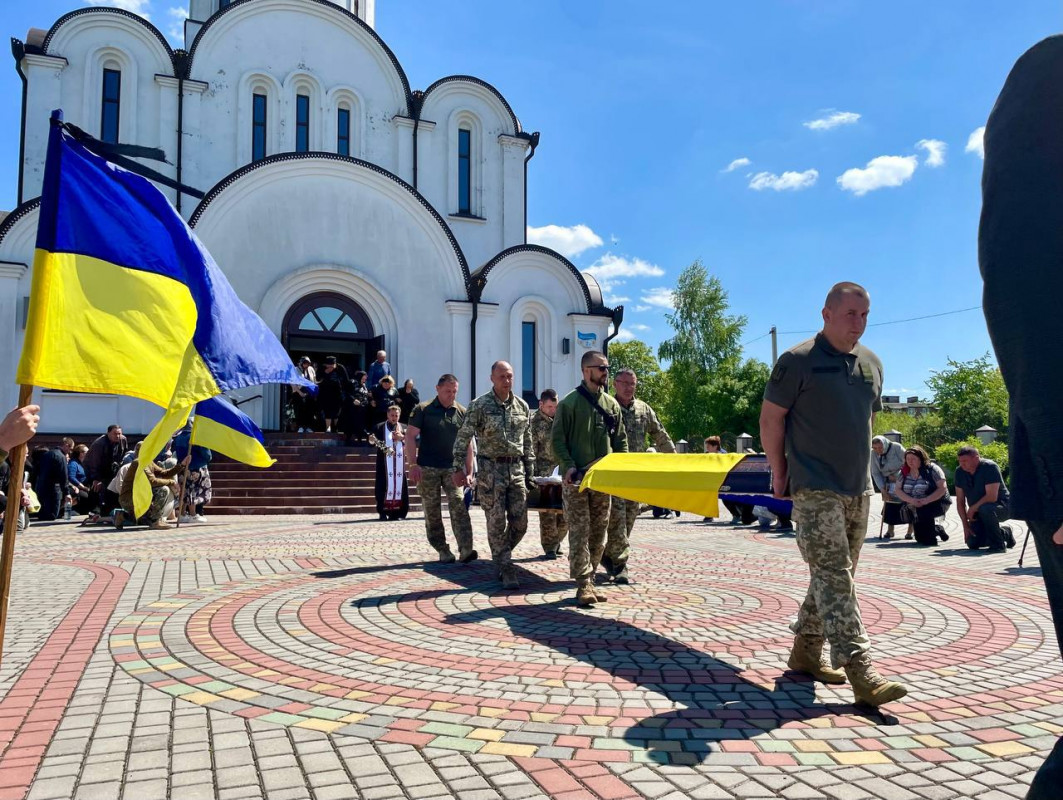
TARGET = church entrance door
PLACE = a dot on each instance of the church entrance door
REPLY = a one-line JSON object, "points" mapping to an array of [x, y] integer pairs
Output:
{"points": [[330, 324]]}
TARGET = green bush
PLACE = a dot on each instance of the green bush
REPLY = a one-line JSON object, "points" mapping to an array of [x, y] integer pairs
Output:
{"points": [[945, 455]]}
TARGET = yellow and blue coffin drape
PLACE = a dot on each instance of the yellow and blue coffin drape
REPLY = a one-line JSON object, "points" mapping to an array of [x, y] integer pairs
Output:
{"points": [[681, 481], [126, 300], [221, 426]]}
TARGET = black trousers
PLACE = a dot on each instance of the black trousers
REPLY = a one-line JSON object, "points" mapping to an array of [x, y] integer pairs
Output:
{"points": [[924, 524], [986, 527], [1048, 780]]}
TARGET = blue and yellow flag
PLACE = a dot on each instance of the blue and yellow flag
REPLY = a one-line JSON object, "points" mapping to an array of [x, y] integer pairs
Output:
{"points": [[682, 481], [156, 318], [221, 426]]}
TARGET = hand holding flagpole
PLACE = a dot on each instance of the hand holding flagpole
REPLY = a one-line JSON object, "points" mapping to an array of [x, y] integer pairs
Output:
{"points": [[19, 425]]}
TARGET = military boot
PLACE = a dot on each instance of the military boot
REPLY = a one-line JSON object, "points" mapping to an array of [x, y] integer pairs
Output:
{"points": [[870, 688], [599, 594], [586, 596], [467, 557], [509, 577], [807, 657], [446, 556]]}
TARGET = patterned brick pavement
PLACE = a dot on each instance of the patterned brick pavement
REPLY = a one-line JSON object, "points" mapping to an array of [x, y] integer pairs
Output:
{"points": [[321, 657]]}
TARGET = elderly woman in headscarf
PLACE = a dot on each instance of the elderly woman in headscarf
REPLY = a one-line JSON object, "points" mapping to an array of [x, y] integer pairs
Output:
{"points": [[887, 459]]}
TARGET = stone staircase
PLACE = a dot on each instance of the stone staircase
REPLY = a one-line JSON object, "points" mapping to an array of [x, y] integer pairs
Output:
{"points": [[314, 474]]}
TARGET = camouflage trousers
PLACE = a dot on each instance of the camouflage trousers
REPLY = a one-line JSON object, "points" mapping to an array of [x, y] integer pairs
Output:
{"points": [[587, 515], [162, 503], [434, 483], [622, 516], [830, 532], [552, 530], [504, 499]]}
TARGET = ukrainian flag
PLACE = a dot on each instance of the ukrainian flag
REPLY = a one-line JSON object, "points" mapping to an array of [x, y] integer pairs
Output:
{"points": [[155, 316], [221, 426]]}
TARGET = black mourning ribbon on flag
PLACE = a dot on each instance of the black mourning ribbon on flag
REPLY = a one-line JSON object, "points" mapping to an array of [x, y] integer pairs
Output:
{"points": [[122, 155]]}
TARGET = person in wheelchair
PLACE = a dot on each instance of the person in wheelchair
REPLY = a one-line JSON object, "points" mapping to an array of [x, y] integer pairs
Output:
{"points": [[923, 490]]}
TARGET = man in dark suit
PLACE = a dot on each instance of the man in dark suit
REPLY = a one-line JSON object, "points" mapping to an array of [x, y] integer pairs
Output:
{"points": [[1020, 251]]}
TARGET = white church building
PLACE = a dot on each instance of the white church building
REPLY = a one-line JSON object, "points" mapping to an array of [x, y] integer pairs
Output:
{"points": [[350, 211]]}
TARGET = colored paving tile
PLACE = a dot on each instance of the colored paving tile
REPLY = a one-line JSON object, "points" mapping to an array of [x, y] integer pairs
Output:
{"points": [[684, 668]]}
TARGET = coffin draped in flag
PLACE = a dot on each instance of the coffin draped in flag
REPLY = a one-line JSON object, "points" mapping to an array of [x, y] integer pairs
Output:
{"points": [[219, 425], [156, 318], [682, 481]]}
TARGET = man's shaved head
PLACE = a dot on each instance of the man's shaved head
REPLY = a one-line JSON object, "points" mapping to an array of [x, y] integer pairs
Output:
{"points": [[840, 290]]}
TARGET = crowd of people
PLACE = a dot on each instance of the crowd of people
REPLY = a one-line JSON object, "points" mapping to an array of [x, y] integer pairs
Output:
{"points": [[95, 481], [353, 406]]}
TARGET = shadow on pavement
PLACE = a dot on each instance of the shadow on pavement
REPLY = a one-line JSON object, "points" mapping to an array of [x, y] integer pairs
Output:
{"points": [[715, 702]]}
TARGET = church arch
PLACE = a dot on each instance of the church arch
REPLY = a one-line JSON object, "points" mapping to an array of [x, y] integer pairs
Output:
{"points": [[261, 83], [68, 26]]}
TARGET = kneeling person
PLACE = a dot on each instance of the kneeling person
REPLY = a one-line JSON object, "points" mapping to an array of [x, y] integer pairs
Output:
{"points": [[163, 487], [982, 502]]}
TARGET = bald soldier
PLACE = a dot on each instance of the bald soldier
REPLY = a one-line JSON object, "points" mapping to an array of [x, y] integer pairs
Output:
{"points": [[552, 526], [815, 426], [501, 423], [587, 427], [640, 421]]}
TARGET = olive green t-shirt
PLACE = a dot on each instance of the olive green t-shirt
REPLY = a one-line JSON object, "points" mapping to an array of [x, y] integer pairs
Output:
{"points": [[830, 396], [439, 427]]}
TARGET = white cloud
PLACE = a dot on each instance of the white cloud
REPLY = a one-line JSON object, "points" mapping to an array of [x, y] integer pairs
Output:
{"points": [[625, 335], [637, 326], [975, 143], [568, 241], [832, 119], [935, 151], [611, 272], [661, 297], [138, 7], [640, 308], [177, 16], [880, 173], [610, 267], [787, 181], [738, 163]]}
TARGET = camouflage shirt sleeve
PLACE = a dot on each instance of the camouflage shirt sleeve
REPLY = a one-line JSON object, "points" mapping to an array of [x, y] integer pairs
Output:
{"points": [[661, 440], [529, 447], [465, 433]]}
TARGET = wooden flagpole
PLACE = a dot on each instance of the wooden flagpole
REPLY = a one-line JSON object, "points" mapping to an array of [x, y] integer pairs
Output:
{"points": [[14, 510], [181, 490]]}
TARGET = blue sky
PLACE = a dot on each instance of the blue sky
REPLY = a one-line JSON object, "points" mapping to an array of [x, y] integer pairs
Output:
{"points": [[641, 115]]}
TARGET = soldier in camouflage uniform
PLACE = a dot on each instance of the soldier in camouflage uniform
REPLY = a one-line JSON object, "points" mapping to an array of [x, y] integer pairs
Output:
{"points": [[552, 526], [501, 423], [587, 427], [815, 426], [640, 421], [430, 438]]}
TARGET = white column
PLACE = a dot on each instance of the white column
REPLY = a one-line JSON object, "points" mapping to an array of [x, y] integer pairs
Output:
{"points": [[44, 79], [514, 151], [11, 325]]}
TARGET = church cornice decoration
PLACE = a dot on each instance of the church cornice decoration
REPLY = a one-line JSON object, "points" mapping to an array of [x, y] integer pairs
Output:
{"points": [[11, 219], [105, 10], [595, 305], [517, 129], [333, 8], [234, 176]]}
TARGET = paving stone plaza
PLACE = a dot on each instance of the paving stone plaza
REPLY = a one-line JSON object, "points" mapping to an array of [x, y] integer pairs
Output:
{"points": [[324, 657]]}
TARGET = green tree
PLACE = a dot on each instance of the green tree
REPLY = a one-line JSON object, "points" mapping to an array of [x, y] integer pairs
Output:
{"points": [[653, 385], [968, 395], [711, 389]]}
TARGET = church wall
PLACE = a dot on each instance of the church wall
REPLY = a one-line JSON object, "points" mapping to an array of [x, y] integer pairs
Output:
{"points": [[332, 59], [462, 104], [72, 79]]}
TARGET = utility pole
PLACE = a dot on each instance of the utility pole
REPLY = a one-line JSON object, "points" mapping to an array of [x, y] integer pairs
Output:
{"points": [[774, 345]]}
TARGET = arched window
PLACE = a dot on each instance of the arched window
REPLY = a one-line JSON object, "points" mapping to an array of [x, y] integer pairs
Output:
{"points": [[302, 123], [528, 372], [329, 315], [111, 103], [343, 131], [464, 171], [259, 112]]}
